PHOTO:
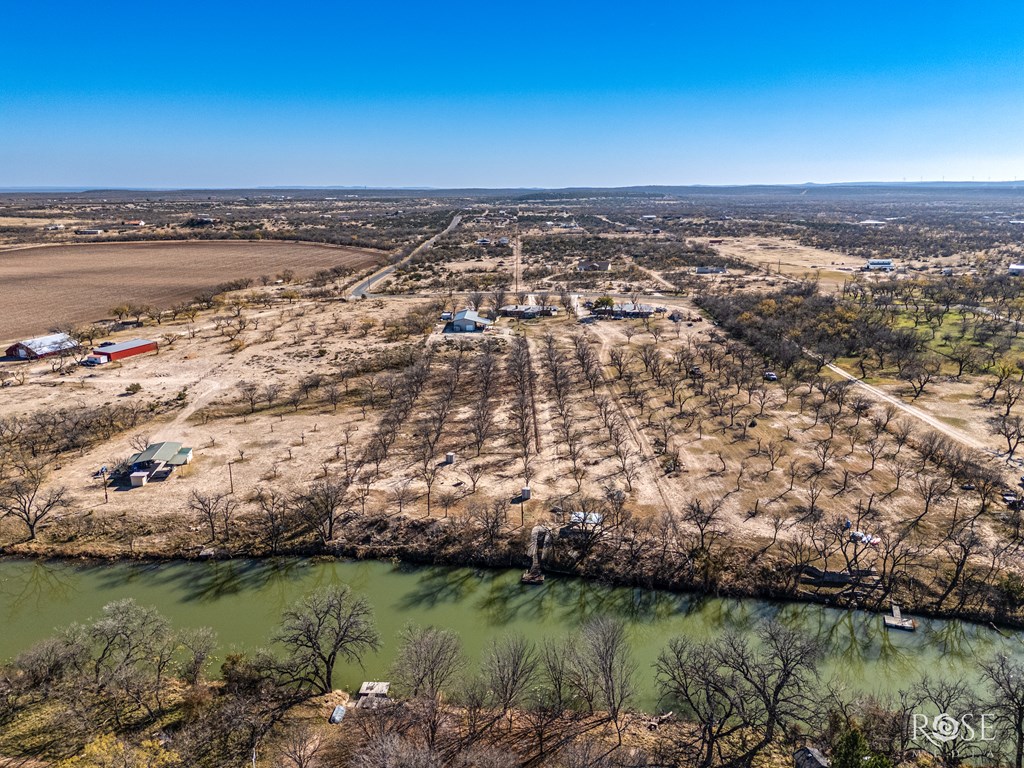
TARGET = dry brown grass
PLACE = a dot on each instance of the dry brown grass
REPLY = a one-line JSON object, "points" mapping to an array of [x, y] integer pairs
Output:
{"points": [[51, 285]]}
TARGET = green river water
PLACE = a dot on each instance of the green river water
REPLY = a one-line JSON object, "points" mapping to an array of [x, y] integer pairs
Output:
{"points": [[242, 600]]}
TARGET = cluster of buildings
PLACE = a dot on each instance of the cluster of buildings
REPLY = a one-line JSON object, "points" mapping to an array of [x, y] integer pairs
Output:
{"points": [[629, 310], [471, 321], [528, 311], [56, 344]]}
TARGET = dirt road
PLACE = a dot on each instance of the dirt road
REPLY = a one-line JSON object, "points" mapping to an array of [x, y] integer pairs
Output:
{"points": [[939, 426]]}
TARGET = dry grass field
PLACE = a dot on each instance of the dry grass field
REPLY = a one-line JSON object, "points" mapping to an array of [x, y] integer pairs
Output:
{"points": [[792, 259], [50, 285]]}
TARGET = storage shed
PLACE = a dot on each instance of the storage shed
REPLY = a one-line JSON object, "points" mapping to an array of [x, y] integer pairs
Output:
{"points": [[125, 349]]}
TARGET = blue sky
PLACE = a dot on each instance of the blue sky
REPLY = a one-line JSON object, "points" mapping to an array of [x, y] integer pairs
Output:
{"points": [[518, 94]]}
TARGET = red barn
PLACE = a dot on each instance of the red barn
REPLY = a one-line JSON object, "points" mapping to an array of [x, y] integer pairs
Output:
{"points": [[43, 346], [124, 349]]}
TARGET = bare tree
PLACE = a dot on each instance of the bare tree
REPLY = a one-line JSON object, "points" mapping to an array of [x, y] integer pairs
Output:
{"points": [[300, 747], [322, 627], [320, 505], [602, 662], [742, 699], [1005, 680], [23, 498], [250, 393], [509, 668], [214, 509]]}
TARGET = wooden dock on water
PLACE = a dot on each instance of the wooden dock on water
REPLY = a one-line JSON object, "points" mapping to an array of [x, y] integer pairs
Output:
{"points": [[538, 540], [896, 620]]}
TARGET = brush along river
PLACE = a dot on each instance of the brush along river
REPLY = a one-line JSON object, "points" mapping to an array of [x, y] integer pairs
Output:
{"points": [[242, 600]]}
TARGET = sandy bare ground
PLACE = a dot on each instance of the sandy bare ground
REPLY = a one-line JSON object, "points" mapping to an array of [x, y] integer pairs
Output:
{"points": [[52, 285], [792, 259]]}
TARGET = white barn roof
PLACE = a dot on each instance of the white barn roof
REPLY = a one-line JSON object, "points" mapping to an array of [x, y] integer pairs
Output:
{"points": [[47, 345]]}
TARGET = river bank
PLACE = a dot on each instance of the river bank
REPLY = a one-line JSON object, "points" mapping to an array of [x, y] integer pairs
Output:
{"points": [[737, 573]]}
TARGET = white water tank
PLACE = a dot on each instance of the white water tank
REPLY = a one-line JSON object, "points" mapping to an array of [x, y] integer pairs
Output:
{"points": [[449, 458], [525, 494]]}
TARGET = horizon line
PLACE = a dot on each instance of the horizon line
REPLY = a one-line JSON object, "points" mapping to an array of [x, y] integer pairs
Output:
{"points": [[385, 188]]}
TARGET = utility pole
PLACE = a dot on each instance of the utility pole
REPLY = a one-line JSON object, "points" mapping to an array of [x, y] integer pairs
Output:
{"points": [[231, 478], [106, 493]]}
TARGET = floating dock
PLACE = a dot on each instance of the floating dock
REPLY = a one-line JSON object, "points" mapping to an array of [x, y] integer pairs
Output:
{"points": [[896, 620]]}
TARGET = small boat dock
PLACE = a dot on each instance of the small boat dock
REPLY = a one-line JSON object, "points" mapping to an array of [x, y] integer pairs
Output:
{"points": [[896, 620], [539, 537]]}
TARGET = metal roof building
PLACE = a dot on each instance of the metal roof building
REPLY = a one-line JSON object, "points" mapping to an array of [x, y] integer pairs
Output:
{"points": [[469, 321], [125, 349], [42, 346], [163, 453]]}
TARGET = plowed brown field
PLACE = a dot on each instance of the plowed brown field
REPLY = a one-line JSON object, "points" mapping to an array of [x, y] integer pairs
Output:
{"points": [[41, 287]]}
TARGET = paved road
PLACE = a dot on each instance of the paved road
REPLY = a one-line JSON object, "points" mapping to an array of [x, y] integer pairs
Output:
{"points": [[363, 288]]}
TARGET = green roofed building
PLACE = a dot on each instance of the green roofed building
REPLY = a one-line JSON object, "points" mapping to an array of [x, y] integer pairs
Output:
{"points": [[158, 454]]}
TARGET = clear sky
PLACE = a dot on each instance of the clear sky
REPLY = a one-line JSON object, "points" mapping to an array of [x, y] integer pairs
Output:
{"points": [[221, 94]]}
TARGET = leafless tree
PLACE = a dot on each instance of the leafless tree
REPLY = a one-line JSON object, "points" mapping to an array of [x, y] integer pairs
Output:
{"points": [[473, 473], [426, 666], [510, 664], [274, 518], [24, 499], [250, 393], [319, 506], [602, 664], [402, 494], [300, 747], [323, 627], [742, 698], [271, 392], [214, 509]]}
